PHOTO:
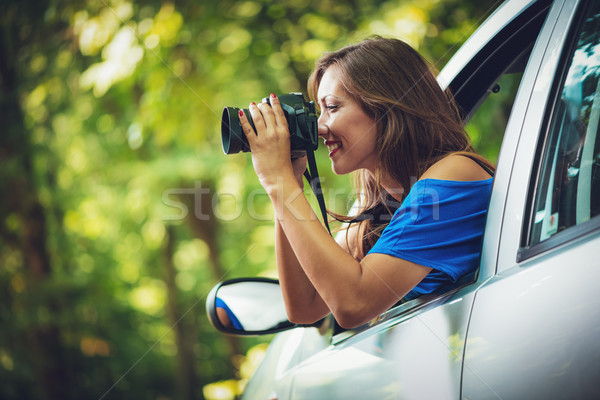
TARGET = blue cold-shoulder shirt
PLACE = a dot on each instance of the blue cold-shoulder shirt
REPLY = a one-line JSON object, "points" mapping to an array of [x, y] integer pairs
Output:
{"points": [[439, 225]]}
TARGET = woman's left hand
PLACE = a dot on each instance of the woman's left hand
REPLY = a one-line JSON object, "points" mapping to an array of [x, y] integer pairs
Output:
{"points": [[270, 143]]}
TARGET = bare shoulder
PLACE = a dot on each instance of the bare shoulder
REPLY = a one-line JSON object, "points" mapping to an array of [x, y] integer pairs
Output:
{"points": [[456, 167]]}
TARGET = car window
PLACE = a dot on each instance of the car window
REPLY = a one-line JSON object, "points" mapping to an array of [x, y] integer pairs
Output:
{"points": [[566, 194], [486, 127], [491, 79]]}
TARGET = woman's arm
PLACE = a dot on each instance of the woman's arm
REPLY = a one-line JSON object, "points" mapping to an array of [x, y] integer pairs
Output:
{"points": [[354, 292], [303, 303]]}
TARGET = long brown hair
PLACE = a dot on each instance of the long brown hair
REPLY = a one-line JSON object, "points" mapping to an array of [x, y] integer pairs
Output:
{"points": [[418, 124]]}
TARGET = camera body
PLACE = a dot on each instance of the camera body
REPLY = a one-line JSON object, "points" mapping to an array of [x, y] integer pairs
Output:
{"points": [[299, 113]]}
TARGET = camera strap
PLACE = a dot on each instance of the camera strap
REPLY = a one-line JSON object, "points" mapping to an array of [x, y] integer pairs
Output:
{"points": [[315, 184]]}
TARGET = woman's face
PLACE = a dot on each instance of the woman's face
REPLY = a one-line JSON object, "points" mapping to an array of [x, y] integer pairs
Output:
{"points": [[348, 131]]}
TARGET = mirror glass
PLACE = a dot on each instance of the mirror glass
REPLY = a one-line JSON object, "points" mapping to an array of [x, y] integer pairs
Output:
{"points": [[250, 306]]}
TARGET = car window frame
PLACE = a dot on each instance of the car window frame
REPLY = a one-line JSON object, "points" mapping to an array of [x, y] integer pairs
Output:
{"points": [[527, 251]]}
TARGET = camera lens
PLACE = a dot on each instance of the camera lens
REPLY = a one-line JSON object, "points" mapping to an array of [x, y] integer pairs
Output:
{"points": [[299, 114], [232, 136]]}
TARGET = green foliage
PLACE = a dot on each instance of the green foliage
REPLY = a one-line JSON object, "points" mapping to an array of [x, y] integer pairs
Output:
{"points": [[119, 210]]}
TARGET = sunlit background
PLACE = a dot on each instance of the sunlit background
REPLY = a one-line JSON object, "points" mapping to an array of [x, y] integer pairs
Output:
{"points": [[119, 209]]}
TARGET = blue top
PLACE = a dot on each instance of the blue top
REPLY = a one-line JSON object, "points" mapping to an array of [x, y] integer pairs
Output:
{"points": [[219, 303], [439, 225]]}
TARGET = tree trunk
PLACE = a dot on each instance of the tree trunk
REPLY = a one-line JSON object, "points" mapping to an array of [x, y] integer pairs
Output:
{"points": [[186, 371], [205, 226]]}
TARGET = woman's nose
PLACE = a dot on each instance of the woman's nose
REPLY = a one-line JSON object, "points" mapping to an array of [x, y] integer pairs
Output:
{"points": [[322, 129]]}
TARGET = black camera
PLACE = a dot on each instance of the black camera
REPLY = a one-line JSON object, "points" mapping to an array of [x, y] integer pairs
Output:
{"points": [[300, 116]]}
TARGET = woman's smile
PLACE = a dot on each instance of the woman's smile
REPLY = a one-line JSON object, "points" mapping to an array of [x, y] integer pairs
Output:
{"points": [[333, 146]]}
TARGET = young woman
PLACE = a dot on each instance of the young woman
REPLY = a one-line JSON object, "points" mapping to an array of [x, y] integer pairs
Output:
{"points": [[384, 117]]}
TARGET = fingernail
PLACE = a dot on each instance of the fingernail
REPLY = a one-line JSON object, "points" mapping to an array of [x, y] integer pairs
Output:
{"points": [[273, 95], [253, 104], [240, 113]]}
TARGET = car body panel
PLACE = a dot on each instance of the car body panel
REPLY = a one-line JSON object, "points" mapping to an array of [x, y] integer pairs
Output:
{"points": [[529, 334], [394, 359], [275, 376]]}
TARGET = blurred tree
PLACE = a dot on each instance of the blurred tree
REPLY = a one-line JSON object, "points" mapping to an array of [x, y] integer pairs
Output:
{"points": [[25, 242]]}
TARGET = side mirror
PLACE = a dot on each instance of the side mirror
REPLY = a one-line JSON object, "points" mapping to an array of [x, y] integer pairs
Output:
{"points": [[248, 306]]}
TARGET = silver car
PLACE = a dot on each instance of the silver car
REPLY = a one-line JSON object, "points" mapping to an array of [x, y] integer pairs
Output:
{"points": [[527, 324]]}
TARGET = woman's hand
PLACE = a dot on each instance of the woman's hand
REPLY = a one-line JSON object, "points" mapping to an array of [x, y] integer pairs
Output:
{"points": [[270, 143]]}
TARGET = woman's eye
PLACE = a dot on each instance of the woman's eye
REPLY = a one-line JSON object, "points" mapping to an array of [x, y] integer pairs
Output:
{"points": [[332, 107]]}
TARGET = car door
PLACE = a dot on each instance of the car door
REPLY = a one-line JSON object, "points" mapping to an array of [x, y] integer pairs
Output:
{"points": [[415, 350], [535, 326]]}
